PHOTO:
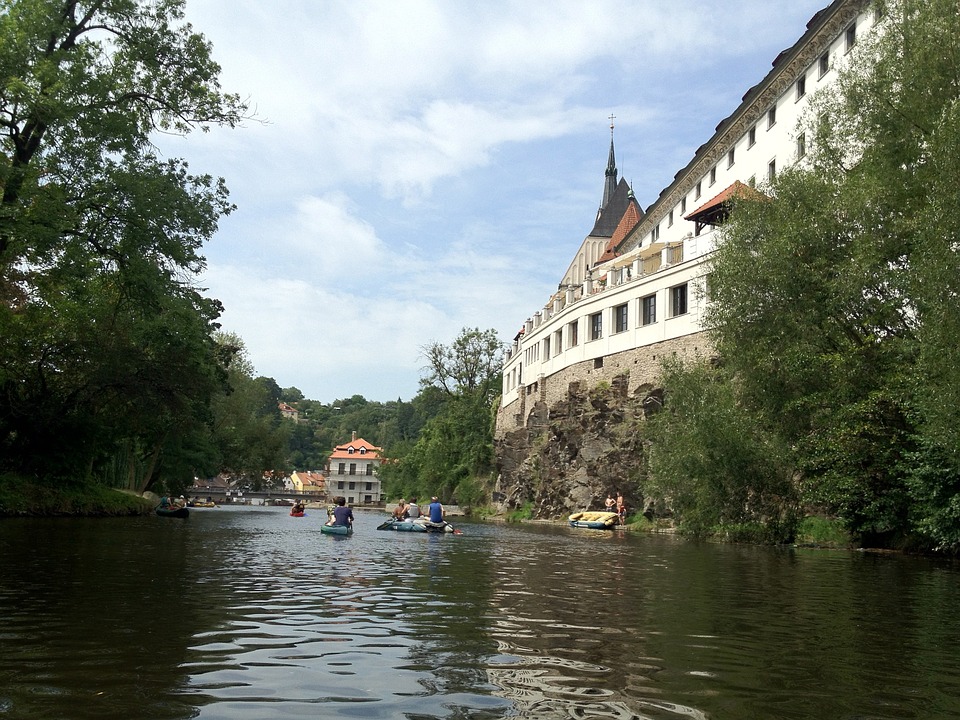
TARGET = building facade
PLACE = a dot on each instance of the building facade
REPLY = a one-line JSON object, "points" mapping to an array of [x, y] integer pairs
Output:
{"points": [[352, 472], [636, 288]]}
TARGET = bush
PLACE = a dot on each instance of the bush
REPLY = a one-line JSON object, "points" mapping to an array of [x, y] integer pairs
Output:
{"points": [[822, 532]]}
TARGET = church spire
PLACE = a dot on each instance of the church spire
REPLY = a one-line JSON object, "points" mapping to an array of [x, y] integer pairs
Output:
{"points": [[610, 181]]}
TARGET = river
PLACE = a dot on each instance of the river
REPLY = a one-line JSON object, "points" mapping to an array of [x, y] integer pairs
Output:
{"points": [[240, 613]]}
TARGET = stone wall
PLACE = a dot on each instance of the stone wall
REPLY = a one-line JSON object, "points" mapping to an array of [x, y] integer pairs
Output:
{"points": [[641, 366]]}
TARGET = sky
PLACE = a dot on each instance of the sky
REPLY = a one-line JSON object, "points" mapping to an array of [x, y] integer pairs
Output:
{"points": [[417, 167]]}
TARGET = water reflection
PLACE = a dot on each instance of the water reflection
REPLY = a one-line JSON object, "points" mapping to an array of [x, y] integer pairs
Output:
{"points": [[247, 613]]}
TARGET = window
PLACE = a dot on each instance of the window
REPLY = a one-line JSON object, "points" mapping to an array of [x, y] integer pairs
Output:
{"points": [[698, 191], [713, 174], [353, 469], [558, 341], [596, 326], [648, 309], [730, 157], [353, 486], [850, 36], [572, 334], [683, 204], [340, 485], [823, 64], [363, 451], [369, 486], [670, 219], [370, 470], [772, 170], [771, 117], [620, 318], [342, 469], [752, 136], [678, 300], [546, 349], [350, 450], [655, 233], [801, 145], [801, 86]]}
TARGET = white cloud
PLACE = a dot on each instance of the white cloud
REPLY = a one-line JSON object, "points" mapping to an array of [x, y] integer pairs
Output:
{"points": [[428, 165]]}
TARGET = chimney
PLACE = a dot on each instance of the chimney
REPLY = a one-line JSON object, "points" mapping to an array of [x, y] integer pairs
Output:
{"points": [[353, 437]]}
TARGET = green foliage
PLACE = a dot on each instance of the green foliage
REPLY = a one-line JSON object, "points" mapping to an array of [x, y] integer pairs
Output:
{"points": [[107, 352], [710, 459], [835, 301], [525, 512], [822, 532], [22, 496], [454, 447]]}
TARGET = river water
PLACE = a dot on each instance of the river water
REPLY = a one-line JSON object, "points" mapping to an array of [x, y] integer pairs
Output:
{"points": [[246, 613]]}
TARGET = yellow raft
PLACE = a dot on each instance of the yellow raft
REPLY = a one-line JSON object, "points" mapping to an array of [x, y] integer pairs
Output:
{"points": [[594, 520]]}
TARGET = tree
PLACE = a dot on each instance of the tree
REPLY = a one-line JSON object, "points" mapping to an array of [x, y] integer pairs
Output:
{"points": [[455, 445], [714, 462], [471, 364], [107, 347], [834, 302]]}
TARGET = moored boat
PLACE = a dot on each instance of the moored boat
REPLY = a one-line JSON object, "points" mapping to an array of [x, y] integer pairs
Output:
{"points": [[594, 520], [337, 529], [179, 512], [202, 504]]}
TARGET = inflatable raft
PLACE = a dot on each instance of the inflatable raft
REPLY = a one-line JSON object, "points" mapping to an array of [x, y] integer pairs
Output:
{"points": [[594, 520]]}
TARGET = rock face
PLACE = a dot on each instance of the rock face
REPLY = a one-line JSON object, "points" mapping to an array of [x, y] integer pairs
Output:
{"points": [[570, 455]]}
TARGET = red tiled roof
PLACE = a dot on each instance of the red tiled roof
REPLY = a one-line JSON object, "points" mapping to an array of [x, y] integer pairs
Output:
{"points": [[343, 451], [631, 218], [737, 189]]}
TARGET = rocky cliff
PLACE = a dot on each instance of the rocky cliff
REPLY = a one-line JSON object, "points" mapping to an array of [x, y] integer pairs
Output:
{"points": [[568, 456]]}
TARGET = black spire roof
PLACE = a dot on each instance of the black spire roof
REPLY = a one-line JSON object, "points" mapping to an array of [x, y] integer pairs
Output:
{"points": [[608, 217]]}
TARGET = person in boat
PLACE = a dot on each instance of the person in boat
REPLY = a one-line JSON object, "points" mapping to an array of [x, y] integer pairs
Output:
{"points": [[610, 505], [297, 508], [342, 515], [413, 510], [400, 511], [164, 503], [436, 512]]}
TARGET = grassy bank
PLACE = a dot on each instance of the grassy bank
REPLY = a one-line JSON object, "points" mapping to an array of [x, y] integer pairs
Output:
{"points": [[24, 497]]}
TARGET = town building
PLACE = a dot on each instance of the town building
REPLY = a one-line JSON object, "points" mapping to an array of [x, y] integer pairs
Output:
{"points": [[351, 472], [289, 412], [307, 483], [636, 288]]}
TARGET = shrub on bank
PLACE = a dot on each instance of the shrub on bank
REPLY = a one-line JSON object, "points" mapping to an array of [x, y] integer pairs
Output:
{"points": [[24, 496]]}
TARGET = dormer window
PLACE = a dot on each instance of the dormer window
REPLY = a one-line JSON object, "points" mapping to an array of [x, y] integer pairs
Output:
{"points": [[350, 450], [363, 451]]}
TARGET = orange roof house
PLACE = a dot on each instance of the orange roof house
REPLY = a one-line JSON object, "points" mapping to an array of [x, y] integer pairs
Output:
{"points": [[352, 472], [308, 482]]}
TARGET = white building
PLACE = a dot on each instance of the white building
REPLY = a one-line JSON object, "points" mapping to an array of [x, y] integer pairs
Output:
{"points": [[352, 472], [635, 288]]}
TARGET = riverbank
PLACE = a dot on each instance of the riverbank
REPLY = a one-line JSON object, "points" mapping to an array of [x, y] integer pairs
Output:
{"points": [[24, 497]]}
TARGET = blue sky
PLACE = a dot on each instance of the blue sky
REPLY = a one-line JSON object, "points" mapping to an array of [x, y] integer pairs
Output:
{"points": [[418, 167]]}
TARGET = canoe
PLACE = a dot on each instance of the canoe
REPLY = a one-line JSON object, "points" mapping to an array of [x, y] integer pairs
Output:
{"points": [[411, 526], [337, 529], [594, 520], [202, 504], [180, 512]]}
